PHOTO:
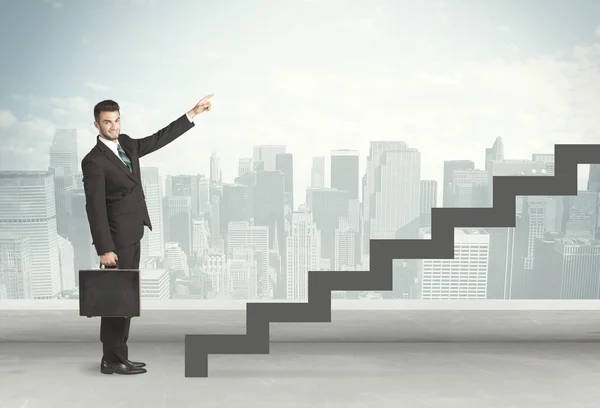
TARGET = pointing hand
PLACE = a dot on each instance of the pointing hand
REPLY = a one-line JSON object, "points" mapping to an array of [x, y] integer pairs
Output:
{"points": [[203, 105]]}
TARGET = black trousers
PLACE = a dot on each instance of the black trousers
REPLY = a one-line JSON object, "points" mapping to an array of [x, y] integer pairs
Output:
{"points": [[114, 331]]}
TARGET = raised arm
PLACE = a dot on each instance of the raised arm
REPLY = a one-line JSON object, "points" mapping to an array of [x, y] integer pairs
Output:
{"points": [[166, 135]]}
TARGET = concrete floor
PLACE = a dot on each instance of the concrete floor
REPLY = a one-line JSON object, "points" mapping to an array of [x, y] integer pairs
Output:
{"points": [[507, 354], [344, 375]]}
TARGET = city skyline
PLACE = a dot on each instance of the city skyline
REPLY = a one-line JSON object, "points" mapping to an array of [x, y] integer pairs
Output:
{"points": [[196, 248]]}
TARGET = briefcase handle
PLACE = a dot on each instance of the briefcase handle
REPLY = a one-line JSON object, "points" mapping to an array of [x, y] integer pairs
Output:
{"points": [[110, 267]]}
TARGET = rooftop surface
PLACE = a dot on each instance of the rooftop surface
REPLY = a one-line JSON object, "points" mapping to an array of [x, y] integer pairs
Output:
{"points": [[372, 354]]}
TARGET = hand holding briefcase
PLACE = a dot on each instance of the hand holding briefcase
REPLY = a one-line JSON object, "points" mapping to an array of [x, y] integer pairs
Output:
{"points": [[109, 292]]}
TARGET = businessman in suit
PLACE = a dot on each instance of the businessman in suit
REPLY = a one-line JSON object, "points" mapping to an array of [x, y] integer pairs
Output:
{"points": [[117, 212]]}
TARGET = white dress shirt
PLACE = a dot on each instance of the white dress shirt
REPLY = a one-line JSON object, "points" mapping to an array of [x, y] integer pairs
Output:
{"points": [[112, 145]]}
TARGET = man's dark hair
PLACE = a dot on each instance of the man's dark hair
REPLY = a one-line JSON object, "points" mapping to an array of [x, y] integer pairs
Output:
{"points": [[105, 106]]}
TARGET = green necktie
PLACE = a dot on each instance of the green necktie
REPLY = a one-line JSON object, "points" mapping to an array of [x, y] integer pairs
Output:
{"points": [[125, 158]]}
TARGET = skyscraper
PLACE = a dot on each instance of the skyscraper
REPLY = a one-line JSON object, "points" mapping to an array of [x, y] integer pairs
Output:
{"points": [[303, 254], [317, 172], [462, 277], [153, 243], [344, 171], [27, 209], [63, 151], [64, 165], [427, 202], [494, 153], [266, 154], [450, 166], [284, 162], [373, 185], [397, 195]]}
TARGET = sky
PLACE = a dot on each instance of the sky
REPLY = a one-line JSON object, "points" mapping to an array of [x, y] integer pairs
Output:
{"points": [[315, 75]]}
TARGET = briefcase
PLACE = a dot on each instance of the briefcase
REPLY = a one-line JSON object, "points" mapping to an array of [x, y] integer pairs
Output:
{"points": [[109, 292]]}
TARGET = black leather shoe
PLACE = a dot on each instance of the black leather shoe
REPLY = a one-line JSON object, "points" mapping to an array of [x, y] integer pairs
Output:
{"points": [[137, 364], [120, 368]]}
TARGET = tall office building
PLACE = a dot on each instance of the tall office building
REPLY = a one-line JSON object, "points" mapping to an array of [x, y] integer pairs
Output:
{"points": [[244, 166], [15, 266], [326, 206], [63, 151], [203, 194], [67, 264], [27, 209], [303, 254], [372, 183], [155, 284], [244, 235], [176, 259], [236, 205], [216, 176], [397, 195], [464, 276], [267, 155], [428, 201], [317, 172], [565, 268], [188, 185], [200, 236], [450, 167], [344, 171], [469, 188], [242, 278], [269, 204], [212, 269], [494, 153], [284, 162], [580, 215], [64, 165], [345, 248], [540, 215], [178, 222], [153, 243]]}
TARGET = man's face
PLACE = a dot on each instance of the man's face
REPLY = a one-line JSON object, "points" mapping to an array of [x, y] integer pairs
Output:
{"points": [[109, 125]]}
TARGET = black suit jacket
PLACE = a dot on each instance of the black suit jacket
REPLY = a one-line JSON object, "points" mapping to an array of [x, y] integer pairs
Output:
{"points": [[115, 201]]}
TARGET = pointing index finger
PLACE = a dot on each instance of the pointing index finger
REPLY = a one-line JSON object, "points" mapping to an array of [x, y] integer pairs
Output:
{"points": [[206, 97]]}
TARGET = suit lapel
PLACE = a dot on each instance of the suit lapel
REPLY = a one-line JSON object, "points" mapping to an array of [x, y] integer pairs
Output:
{"points": [[135, 163], [110, 155]]}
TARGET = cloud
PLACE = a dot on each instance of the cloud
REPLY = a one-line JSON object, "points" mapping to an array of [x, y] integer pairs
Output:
{"points": [[97, 87], [74, 104], [25, 144], [7, 119]]}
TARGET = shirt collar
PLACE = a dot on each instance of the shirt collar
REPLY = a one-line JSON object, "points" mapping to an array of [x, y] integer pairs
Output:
{"points": [[112, 144]]}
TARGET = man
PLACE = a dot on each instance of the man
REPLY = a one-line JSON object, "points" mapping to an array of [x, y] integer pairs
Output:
{"points": [[117, 212]]}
